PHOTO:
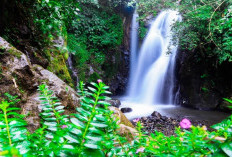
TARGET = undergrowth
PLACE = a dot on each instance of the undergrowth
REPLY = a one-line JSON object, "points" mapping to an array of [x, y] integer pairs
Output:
{"points": [[94, 131]]}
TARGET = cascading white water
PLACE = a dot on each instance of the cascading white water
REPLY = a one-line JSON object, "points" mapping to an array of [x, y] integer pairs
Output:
{"points": [[134, 47], [153, 80]]}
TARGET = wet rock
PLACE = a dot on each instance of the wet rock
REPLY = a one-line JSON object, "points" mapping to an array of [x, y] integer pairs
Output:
{"points": [[122, 118], [156, 114], [115, 102], [144, 118], [126, 109], [128, 132]]}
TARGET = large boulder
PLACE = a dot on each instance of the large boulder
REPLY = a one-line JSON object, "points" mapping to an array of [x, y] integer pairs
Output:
{"points": [[126, 128], [19, 77]]}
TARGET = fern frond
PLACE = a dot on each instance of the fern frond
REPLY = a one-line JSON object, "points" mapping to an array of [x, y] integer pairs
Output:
{"points": [[13, 132], [90, 122]]}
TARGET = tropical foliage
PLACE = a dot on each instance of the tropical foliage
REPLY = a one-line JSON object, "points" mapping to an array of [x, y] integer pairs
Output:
{"points": [[93, 131]]}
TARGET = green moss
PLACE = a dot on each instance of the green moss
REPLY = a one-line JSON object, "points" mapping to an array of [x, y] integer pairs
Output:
{"points": [[58, 66], [13, 51]]}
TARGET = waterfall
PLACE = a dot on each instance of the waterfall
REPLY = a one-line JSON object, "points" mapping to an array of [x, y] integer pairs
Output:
{"points": [[152, 74], [134, 47]]}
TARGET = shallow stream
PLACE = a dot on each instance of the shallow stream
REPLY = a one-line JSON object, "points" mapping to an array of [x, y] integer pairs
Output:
{"points": [[177, 112]]}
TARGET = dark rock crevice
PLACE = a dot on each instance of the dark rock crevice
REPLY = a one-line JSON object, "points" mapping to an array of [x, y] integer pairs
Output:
{"points": [[202, 85]]}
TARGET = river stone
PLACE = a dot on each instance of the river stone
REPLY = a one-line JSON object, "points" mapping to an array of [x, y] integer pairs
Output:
{"points": [[156, 114], [114, 102], [19, 77], [126, 109]]}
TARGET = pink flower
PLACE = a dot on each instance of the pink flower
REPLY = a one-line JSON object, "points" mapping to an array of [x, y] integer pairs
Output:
{"points": [[185, 123], [99, 80], [64, 126], [136, 120], [140, 150]]}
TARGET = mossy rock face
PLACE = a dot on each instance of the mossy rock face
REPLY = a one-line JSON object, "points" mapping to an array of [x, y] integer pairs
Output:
{"points": [[19, 77], [57, 64]]}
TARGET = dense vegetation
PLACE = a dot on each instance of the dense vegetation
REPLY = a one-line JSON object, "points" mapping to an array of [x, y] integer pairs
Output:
{"points": [[93, 131], [92, 35]]}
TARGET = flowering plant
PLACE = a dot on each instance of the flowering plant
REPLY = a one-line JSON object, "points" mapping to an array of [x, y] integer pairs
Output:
{"points": [[93, 131]]}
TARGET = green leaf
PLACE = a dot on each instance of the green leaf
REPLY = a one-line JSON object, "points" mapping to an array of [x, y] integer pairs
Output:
{"points": [[101, 117], [105, 87], [94, 137], [104, 98], [91, 145], [94, 84], [93, 153], [68, 147], [15, 123], [50, 123], [49, 135], [52, 128], [12, 109], [48, 114], [227, 148], [76, 131], [71, 138], [50, 119], [230, 101], [96, 131], [88, 100], [61, 111], [104, 103], [83, 111], [59, 108], [81, 118], [2, 124], [92, 89], [100, 125], [77, 122]]}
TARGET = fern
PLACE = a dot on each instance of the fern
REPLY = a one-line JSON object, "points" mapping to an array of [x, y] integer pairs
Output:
{"points": [[90, 123], [13, 132], [50, 138], [51, 110]]}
